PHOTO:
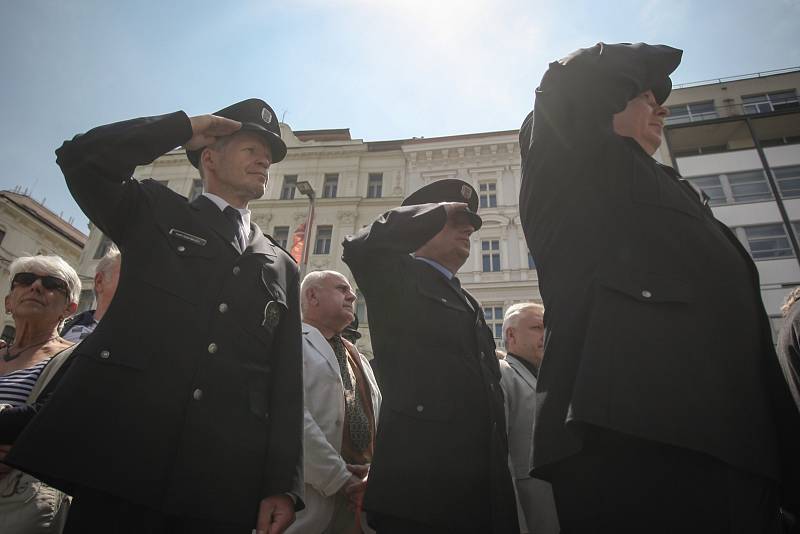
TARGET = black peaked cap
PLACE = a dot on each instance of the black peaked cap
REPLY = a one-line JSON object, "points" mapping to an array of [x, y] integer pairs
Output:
{"points": [[448, 190], [255, 116]]}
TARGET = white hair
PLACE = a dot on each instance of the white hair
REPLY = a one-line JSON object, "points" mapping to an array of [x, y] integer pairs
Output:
{"points": [[313, 280], [53, 266], [111, 256], [514, 312]]}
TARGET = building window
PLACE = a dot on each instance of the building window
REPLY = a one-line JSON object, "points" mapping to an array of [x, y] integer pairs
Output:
{"points": [[289, 186], [490, 250], [281, 235], [102, 248], [768, 241], [711, 186], [488, 194], [531, 263], [330, 186], [788, 179], [696, 111], [494, 320], [361, 309], [323, 243], [740, 187], [764, 103], [375, 185], [196, 190], [749, 186]]}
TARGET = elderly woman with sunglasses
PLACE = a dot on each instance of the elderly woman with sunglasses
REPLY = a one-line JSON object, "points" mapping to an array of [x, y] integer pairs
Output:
{"points": [[44, 291]]}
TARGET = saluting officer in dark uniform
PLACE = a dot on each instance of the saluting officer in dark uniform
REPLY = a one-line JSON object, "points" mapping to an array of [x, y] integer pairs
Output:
{"points": [[195, 424], [441, 454], [660, 402]]}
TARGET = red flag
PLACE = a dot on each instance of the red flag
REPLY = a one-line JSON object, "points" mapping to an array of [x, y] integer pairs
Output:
{"points": [[298, 243]]}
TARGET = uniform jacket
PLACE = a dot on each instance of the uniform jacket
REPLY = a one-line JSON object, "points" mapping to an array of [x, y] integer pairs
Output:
{"points": [[654, 322], [201, 414], [535, 497], [324, 469], [441, 456]]}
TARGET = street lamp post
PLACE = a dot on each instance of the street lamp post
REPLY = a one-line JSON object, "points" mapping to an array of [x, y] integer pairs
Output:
{"points": [[305, 189]]}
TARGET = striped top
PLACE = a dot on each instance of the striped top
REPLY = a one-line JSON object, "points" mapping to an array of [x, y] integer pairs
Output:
{"points": [[16, 386]]}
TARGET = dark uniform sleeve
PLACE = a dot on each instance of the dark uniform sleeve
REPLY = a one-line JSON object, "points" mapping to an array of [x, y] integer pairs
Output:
{"points": [[98, 166], [572, 118], [375, 253], [284, 465]]}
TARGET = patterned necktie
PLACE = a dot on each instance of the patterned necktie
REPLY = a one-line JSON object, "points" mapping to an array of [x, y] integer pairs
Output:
{"points": [[357, 420], [235, 217]]}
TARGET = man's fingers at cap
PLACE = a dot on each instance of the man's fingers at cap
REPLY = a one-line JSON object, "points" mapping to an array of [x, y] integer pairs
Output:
{"points": [[222, 126]]}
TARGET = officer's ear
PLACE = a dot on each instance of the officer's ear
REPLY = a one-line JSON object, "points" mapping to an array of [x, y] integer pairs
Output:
{"points": [[208, 158]]}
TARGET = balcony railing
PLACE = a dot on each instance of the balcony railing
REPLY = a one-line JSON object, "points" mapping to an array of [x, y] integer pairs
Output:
{"points": [[735, 110]]}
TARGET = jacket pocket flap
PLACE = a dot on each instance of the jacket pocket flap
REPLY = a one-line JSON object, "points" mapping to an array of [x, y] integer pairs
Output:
{"points": [[650, 287], [187, 241]]}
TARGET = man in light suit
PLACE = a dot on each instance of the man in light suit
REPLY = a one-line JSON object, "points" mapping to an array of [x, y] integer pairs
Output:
{"points": [[342, 401], [523, 334]]}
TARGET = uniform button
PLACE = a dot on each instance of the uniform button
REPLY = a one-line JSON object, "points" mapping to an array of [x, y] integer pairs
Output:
{"points": [[420, 407], [197, 394], [105, 354], [646, 294], [181, 248], [483, 355], [236, 270], [223, 307], [338, 423], [491, 386], [444, 300], [212, 348]]}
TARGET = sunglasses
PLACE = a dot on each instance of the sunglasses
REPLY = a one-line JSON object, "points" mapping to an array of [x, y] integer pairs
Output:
{"points": [[48, 282]]}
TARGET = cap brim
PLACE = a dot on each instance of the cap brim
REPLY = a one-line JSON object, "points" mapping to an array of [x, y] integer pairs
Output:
{"points": [[474, 219], [276, 144]]}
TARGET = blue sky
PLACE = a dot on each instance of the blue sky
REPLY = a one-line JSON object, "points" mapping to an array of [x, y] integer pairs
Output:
{"points": [[385, 69]]}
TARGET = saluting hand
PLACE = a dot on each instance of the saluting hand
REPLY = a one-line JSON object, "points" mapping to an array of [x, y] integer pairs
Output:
{"points": [[453, 208], [208, 128], [275, 514]]}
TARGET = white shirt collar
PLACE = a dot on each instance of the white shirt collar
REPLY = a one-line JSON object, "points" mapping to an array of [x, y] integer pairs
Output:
{"points": [[221, 203]]}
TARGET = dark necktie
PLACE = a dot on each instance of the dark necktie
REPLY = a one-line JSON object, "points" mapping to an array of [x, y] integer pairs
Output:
{"points": [[235, 218], [356, 417]]}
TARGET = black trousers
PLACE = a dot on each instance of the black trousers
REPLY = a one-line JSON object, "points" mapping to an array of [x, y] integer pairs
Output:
{"points": [[93, 512], [621, 484]]}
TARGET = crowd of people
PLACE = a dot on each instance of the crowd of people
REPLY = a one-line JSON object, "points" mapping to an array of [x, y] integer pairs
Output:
{"points": [[644, 395]]}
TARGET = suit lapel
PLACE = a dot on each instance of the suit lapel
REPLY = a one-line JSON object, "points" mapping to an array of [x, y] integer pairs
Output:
{"points": [[321, 345], [215, 219], [437, 283], [522, 371]]}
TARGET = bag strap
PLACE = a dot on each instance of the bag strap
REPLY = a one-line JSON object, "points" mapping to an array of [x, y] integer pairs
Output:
{"points": [[49, 371]]}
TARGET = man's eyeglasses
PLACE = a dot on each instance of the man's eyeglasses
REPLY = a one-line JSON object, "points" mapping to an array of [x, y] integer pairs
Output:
{"points": [[48, 282]]}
